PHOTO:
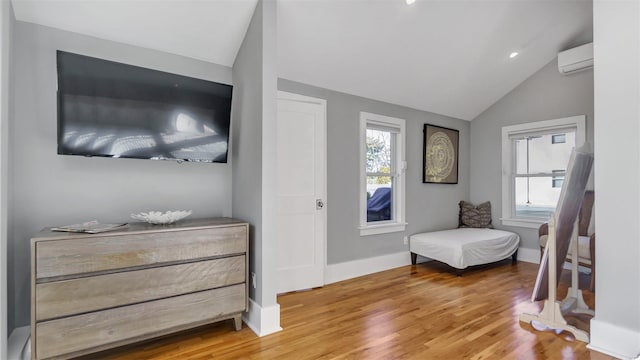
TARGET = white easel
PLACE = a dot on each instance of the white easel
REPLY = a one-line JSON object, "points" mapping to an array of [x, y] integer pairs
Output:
{"points": [[553, 311]]}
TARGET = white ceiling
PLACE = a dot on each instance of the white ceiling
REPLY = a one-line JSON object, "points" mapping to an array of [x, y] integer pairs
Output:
{"points": [[448, 57], [445, 56], [209, 30]]}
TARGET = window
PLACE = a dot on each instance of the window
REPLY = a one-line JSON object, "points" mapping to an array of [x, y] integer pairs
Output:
{"points": [[382, 167], [534, 161], [558, 178], [558, 139]]}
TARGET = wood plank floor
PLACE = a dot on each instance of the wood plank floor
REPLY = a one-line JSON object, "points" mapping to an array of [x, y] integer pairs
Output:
{"points": [[413, 312]]}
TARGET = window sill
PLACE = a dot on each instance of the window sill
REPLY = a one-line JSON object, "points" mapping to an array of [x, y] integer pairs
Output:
{"points": [[381, 229], [525, 223]]}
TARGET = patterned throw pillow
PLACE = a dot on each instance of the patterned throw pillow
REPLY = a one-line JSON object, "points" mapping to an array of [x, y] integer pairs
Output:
{"points": [[475, 216]]}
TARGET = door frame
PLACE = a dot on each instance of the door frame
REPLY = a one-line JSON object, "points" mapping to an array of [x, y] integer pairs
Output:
{"points": [[285, 95]]}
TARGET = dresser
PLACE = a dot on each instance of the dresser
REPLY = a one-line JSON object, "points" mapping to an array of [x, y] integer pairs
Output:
{"points": [[94, 292]]}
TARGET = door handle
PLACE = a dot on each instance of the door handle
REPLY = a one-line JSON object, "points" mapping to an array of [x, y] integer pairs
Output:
{"points": [[319, 204]]}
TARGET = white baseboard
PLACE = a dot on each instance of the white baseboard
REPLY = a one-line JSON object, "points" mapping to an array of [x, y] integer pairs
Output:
{"points": [[614, 341], [529, 255], [352, 269], [262, 320], [17, 343]]}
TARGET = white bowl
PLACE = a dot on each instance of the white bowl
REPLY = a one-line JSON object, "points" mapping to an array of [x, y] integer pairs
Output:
{"points": [[157, 217]]}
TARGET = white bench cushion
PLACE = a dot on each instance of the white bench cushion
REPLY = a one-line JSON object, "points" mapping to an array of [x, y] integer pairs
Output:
{"points": [[465, 247]]}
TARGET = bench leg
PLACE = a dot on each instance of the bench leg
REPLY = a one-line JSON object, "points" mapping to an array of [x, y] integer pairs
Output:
{"points": [[414, 258], [514, 257]]}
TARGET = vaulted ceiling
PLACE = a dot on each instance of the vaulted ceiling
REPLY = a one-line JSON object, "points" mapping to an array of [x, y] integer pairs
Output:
{"points": [[448, 57]]}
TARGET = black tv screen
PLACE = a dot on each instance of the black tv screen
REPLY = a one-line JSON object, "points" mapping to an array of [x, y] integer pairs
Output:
{"points": [[111, 109]]}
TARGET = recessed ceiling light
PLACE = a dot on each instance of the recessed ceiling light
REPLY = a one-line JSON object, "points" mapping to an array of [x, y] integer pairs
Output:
{"points": [[409, 2], [513, 54]]}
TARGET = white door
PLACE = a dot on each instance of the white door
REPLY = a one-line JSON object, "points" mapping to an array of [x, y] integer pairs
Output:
{"points": [[301, 192]]}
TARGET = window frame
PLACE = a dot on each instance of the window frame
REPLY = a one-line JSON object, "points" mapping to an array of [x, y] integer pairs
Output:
{"points": [[397, 224], [509, 217]]}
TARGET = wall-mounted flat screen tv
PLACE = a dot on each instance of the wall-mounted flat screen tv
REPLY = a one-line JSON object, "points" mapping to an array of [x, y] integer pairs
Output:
{"points": [[111, 109]]}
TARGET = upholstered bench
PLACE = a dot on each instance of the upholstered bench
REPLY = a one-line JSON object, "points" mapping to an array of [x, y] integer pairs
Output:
{"points": [[474, 242], [464, 247]]}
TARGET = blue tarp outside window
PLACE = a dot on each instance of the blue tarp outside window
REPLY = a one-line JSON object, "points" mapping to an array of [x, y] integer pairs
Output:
{"points": [[379, 205]]}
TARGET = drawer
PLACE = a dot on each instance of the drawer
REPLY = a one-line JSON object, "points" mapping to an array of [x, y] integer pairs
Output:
{"points": [[75, 296], [65, 257], [132, 323]]}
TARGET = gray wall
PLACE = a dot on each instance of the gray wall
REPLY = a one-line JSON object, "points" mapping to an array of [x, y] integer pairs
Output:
{"points": [[545, 95], [247, 138], [269, 159], [428, 206], [7, 21], [51, 189], [254, 145]]}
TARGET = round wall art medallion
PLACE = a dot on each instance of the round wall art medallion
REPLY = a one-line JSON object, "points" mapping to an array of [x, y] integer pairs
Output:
{"points": [[440, 157]]}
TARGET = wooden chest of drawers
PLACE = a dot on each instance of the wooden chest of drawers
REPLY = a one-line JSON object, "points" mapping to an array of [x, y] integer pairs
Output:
{"points": [[94, 292]]}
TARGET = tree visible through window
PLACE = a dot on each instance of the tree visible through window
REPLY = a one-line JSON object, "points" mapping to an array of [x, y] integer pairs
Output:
{"points": [[379, 175], [382, 165]]}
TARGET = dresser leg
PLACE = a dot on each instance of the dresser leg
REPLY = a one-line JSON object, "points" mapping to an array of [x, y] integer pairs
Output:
{"points": [[237, 322]]}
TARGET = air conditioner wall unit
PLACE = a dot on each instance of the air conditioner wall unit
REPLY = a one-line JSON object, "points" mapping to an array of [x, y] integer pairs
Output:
{"points": [[576, 59]]}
